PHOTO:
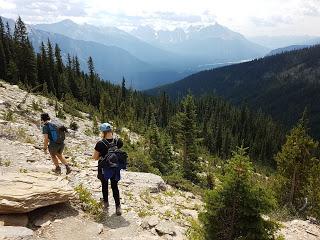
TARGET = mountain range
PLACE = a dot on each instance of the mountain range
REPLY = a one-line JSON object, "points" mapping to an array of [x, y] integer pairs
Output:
{"points": [[281, 85], [141, 60], [207, 44]]}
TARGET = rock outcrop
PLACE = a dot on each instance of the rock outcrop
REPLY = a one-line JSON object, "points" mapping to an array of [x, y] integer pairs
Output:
{"points": [[24, 192]]}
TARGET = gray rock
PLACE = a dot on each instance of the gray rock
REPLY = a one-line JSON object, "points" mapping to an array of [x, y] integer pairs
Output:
{"points": [[14, 220], [165, 227], [152, 220], [190, 213], [141, 182], [15, 233]]}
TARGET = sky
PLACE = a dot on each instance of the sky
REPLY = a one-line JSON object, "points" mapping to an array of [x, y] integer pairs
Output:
{"points": [[249, 17]]}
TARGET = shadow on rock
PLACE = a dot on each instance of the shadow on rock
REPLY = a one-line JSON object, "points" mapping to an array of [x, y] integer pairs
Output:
{"points": [[44, 216], [115, 221]]}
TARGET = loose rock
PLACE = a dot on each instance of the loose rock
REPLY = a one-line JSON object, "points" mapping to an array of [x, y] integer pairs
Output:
{"points": [[15, 233]]}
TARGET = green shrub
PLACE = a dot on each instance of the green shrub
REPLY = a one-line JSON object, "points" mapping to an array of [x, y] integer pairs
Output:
{"points": [[8, 115], [70, 109], [89, 204], [73, 125], [195, 231], [36, 106], [234, 210], [60, 114], [176, 180]]}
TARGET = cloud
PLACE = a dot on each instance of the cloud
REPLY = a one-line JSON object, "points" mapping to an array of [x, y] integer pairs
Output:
{"points": [[45, 10], [171, 16], [271, 21], [246, 16], [311, 8]]}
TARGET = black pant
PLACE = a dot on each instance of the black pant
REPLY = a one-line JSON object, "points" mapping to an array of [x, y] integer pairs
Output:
{"points": [[114, 187]]}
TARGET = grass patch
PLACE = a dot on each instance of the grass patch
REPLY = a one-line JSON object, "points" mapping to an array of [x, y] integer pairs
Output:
{"points": [[23, 170], [36, 106], [8, 115], [5, 163], [144, 213], [23, 135], [89, 204], [146, 197]]}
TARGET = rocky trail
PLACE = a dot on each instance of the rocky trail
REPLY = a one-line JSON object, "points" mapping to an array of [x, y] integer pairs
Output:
{"points": [[37, 204]]}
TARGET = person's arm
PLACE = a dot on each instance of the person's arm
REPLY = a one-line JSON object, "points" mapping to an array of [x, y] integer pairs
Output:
{"points": [[96, 155], [119, 143], [45, 142], [97, 150]]}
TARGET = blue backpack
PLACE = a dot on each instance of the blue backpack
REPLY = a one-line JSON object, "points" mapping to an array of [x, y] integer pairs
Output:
{"points": [[57, 132]]}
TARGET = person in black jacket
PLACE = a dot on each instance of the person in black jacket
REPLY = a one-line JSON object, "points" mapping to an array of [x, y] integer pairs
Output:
{"points": [[101, 149]]}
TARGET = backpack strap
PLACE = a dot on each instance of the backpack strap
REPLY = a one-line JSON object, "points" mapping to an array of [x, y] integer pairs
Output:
{"points": [[107, 145]]}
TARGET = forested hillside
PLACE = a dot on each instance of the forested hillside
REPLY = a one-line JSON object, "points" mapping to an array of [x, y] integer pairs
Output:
{"points": [[219, 126], [281, 85]]}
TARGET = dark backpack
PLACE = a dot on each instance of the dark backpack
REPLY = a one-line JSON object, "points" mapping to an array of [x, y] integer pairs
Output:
{"points": [[115, 158], [57, 132]]}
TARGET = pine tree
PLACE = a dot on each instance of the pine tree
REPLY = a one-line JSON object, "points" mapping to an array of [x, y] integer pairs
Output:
{"points": [[295, 162], [164, 110], [123, 89], [104, 107], [233, 210], [3, 61], [53, 81], [160, 149], [12, 73], [59, 62], [184, 125]]}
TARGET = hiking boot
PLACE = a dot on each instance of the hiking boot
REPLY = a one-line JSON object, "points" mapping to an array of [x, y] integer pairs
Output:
{"points": [[105, 203], [68, 169], [57, 170], [118, 210]]}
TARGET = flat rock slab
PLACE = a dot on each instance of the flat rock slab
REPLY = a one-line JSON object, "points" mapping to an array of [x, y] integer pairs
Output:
{"points": [[24, 192], [15, 233], [143, 181]]}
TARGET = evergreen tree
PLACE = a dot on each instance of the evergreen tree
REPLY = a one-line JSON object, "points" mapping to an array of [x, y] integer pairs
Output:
{"points": [[51, 74], [3, 61], [164, 110], [233, 210], [184, 126], [160, 149], [12, 74], [123, 89], [105, 107], [59, 62], [295, 166]]}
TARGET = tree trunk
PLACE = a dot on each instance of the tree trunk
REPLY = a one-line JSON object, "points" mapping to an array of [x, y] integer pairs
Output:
{"points": [[293, 185]]}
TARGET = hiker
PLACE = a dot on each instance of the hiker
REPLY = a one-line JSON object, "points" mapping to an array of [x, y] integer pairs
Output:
{"points": [[105, 173], [54, 141]]}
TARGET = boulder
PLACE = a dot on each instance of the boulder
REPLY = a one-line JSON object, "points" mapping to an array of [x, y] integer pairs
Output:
{"points": [[24, 192], [14, 220], [15, 233], [140, 182], [165, 227]]}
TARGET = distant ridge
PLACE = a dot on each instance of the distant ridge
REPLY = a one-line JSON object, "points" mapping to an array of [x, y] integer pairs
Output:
{"points": [[282, 85]]}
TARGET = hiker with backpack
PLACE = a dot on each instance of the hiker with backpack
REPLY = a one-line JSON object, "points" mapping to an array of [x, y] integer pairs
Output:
{"points": [[110, 161], [54, 136]]}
